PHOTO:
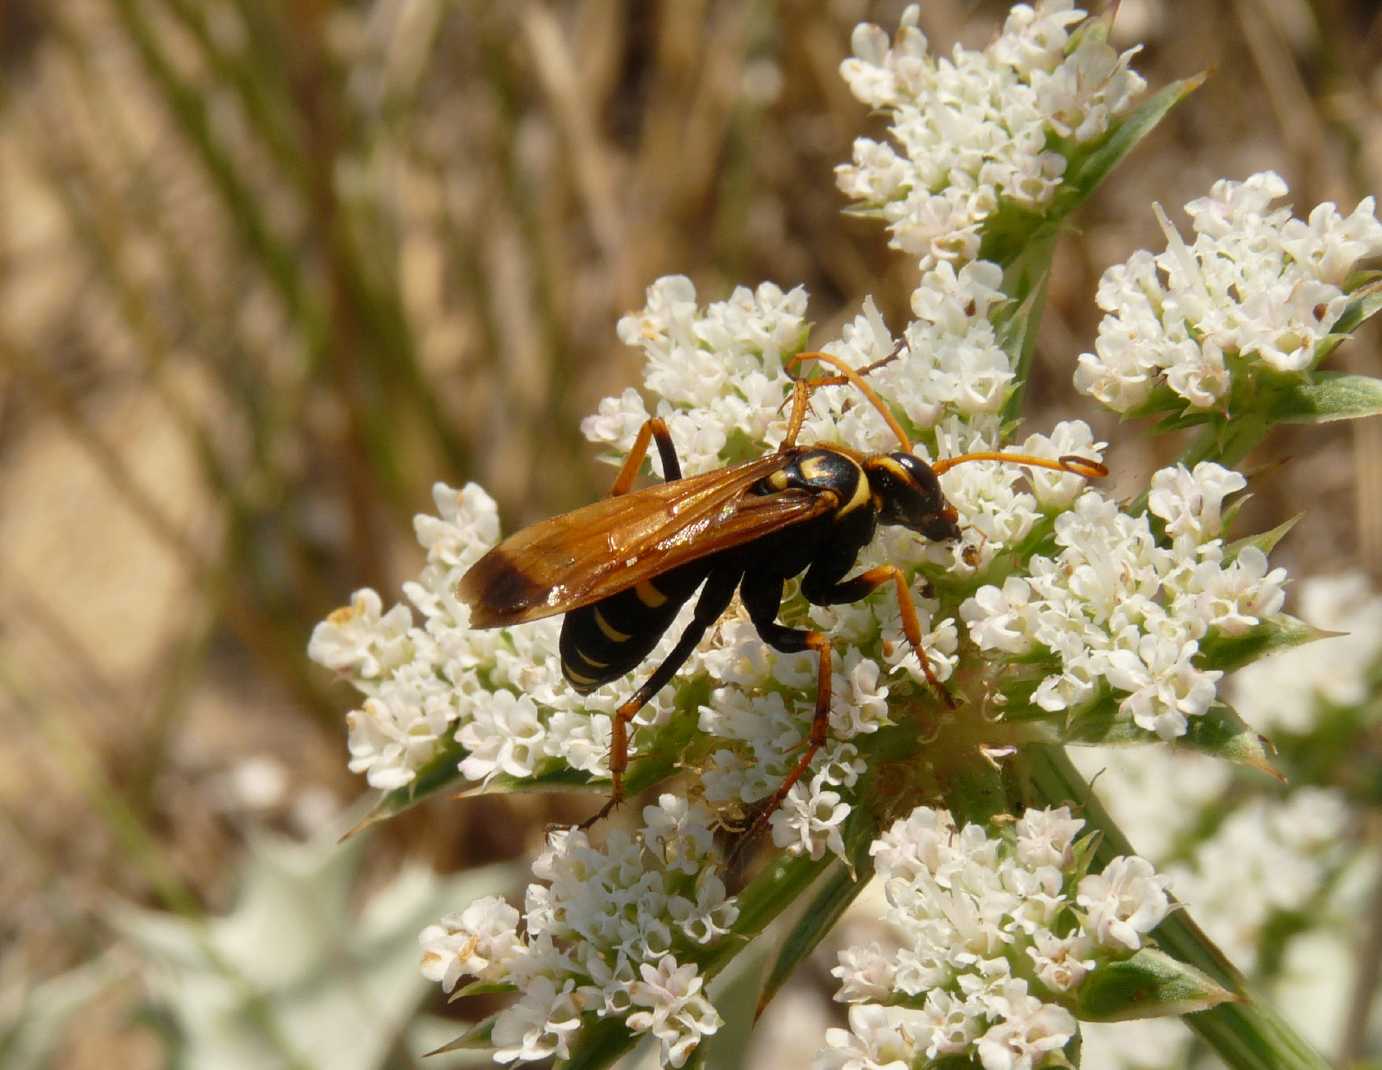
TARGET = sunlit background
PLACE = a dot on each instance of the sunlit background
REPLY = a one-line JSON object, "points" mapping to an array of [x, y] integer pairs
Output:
{"points": [[270, 268]]}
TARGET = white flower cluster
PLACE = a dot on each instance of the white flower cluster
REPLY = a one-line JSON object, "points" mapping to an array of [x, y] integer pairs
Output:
{"points": [[1282, 853], [1254, 283], [1117, 608], [995, 935], [981, 129], [718, 372], [430, 685], [601, 936]]}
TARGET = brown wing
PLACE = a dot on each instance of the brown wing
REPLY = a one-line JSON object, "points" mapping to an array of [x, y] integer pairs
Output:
{"points": [[581, 557]]}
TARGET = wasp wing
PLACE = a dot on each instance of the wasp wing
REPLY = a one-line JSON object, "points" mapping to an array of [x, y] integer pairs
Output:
{"points": [[609, 546]]}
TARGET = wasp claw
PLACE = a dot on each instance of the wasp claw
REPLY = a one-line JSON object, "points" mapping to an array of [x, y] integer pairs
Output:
{"points": [[603, 813]]}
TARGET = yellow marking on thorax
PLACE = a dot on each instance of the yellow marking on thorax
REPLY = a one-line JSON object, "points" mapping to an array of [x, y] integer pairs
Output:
{"points": [[862, 494], [613, 634], [894, 469], [812, 468], [649, 595]]}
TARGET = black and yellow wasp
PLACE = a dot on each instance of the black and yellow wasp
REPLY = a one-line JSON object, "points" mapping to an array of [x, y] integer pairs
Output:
{"points": [[622, 568]]}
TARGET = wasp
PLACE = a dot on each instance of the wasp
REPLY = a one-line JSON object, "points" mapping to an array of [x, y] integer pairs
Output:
{"points": [[622, 568]]}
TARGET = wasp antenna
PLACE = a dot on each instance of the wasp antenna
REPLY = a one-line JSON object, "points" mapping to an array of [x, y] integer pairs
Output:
{"points": [[850, 375], [1080, 466]]}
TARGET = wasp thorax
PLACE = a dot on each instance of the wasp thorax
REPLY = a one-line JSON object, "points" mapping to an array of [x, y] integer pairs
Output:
{"points": [[906, 492]]}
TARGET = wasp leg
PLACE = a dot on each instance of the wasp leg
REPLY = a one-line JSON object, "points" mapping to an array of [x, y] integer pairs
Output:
{"points": [[714, 600], [652, 429], [763, 599], [801, 393], [834, 594]]}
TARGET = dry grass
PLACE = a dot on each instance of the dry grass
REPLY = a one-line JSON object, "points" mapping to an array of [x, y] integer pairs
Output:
{"points": [[269, 269]]}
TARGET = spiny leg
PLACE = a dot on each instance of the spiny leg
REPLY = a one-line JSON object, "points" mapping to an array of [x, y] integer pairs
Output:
{"points": [[801, 393], [653, 429], [763, 598], [853, 590], [856, 377], [714, 600]]}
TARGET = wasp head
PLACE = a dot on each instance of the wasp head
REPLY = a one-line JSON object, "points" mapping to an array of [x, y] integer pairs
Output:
{"points": [[906, 492]]}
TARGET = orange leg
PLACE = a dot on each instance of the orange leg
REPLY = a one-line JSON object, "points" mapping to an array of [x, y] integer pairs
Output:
{"points": [[801, 393], [713, 601], [653, 428], [820, 732], [860, 587]]}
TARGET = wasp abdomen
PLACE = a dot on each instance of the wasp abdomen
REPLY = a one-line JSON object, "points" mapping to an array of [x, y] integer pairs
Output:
{"points": [[603, 641]]}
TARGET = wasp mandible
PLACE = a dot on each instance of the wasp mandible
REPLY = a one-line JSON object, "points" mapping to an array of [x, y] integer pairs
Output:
{"points": [[622, 568]]}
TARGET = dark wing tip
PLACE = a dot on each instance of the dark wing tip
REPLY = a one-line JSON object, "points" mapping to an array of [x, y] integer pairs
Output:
{"points": [[499, 592]]}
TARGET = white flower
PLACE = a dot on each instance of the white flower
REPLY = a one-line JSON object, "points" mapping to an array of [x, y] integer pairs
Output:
{"points": [[1124, 902], [678, 833], [1253, 283], [1044, 837], [678, 1015], [360, 639], [1061, 962], [875, 1040], [1191, 502], [974, 130], [1166, 688], [979, 918], [468, 525], [1028, 1031], [1002, 619], [1057, 490], [597, 936], [479, 942], [710, 916], [865, 973], [391, 737], [1235, 598], [539, 1025], [810, 820], [504, 735]]}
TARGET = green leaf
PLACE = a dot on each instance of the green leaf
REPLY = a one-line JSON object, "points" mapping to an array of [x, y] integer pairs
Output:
{"points": [[1333, 396], [437, 775], [1366, 290], [838, 889], [1017, 333], [1281, 632], [1265, 541], [1151, 984], [482, 988], [476, 1038], [1219, 732], [1089, 166], [735, 998], [1247, 1034]]}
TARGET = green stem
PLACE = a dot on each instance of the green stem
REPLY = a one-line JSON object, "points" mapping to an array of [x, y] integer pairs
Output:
{"points": [[1247, 1035]]}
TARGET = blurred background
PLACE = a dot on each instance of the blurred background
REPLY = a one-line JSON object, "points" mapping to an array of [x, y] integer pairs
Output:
{"points": [[270, 268]]}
